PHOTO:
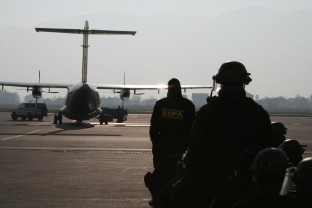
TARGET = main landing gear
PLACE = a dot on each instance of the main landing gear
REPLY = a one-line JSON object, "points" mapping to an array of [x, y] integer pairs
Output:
{"points": [[58, 118]]}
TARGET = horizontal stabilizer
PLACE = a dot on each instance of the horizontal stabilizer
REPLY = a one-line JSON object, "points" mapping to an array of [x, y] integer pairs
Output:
{"points": [[79, 31], [59, 30], [111, 32]]}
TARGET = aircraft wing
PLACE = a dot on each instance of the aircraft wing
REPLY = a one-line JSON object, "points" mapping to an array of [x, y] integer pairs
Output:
{"points": [[34, 84], [149, 87]]}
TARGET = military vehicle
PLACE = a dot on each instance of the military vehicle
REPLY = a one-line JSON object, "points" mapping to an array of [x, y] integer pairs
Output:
{"points": [[30, 111]]}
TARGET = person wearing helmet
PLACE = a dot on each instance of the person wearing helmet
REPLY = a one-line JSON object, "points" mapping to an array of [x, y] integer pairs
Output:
{"points": [[227, 125], [268, 171], [278, 133], [171, 122], [303, 181], [240, 184], [279, 127], [293, 149], [270, 163]]}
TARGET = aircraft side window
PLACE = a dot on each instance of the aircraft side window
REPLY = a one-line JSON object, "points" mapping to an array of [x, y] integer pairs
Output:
{"points": [[21, 106]]}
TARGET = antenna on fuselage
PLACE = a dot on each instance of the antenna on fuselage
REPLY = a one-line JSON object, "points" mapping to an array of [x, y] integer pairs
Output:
{"points": [[85, 45]]}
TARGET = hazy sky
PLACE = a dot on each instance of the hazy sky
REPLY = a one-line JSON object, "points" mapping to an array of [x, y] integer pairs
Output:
{"points": [[31, 13]]}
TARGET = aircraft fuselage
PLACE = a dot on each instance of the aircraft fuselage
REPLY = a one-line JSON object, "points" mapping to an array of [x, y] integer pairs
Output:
{"points": [[82, 102]]}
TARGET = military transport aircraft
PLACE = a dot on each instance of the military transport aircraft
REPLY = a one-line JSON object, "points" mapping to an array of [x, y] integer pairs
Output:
{"points": [[83, 101]]}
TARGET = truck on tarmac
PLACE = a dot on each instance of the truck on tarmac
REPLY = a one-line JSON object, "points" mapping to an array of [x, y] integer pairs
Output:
{"points": [[30, 111], [108, 114]]}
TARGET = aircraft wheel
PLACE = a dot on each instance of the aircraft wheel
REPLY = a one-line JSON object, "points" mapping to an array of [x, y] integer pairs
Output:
{"points": [[14, 117], [29, 117], [119, 120]]}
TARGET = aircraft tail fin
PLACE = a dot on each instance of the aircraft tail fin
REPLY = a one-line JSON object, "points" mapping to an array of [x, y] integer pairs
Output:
{"points": [[85, 45]]}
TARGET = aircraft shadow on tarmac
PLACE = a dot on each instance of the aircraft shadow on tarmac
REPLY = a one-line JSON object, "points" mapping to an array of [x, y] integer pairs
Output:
{"points": [[63, 133], [65, 129], [74, 126]]}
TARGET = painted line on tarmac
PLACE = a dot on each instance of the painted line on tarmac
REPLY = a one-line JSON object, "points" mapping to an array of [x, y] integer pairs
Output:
{"points": [[77, 149], [133, 125], [69, 149], [82, 150], [17, 136], [121, 124], [130, 124]]}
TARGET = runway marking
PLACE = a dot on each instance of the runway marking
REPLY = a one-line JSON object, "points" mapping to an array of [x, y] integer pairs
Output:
{"points": [[77, 149], [131, 168], [295, 124], [131, 124], [13, 137], [122, 124]]}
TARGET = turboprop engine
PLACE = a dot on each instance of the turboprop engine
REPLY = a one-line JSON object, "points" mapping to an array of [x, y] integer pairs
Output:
{"points": [[124, 94], [36, 92]]}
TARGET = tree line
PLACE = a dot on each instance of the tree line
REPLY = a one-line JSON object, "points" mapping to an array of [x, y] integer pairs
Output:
{"points": [[271, 104]]}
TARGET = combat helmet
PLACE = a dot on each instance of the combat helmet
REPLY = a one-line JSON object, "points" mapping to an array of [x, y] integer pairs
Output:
{"points": [[232, 72], [293, 149], [292, 146], [279, 128], [303, 177], [270, 162]]}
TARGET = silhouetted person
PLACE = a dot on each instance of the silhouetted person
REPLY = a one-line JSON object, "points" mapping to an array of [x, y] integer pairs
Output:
{"points": [[171, 121], [226, 126], [268, 171], [279, 132], [60, 117], [240, 184], [55, 119], [294, 150], [303, 181]]}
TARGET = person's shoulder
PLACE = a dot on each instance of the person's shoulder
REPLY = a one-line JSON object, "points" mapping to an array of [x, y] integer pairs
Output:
{"points": [[162, 100], [212, 102], [251, 102], [249, 99], [185, 100]]}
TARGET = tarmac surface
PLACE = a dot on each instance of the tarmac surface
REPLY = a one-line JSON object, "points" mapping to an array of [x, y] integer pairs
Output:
{"points": [[46, 165]]}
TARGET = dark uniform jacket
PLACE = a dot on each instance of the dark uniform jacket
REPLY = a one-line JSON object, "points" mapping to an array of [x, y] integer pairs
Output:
{"points": [[266, 195], [277, 139], [225, 127], [171, 122]]}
